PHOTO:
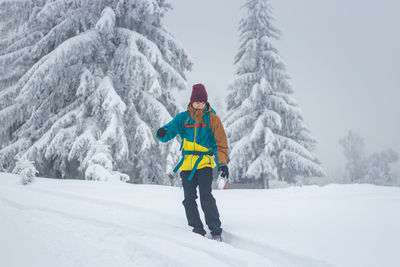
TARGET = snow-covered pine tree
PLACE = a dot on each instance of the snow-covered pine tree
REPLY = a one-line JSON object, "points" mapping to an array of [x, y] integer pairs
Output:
{"points": [[265, 127], [85, 84], [26, 170]]}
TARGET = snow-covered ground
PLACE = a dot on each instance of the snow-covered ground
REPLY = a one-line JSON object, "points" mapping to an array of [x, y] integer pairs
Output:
{"points": [[83, 223]]}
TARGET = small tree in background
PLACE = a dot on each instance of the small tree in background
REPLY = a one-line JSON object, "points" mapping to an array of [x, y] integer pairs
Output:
{"points": [[353, 145], [374, 169], [379, 171], [26, 169]]}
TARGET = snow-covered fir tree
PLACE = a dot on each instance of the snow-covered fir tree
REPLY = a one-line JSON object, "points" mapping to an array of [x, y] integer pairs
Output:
{"points": [[265, 127], [26, 170], [85, 84]]}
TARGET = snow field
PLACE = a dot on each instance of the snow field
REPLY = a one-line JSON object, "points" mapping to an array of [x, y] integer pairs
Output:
{"points": [[83, 223]]}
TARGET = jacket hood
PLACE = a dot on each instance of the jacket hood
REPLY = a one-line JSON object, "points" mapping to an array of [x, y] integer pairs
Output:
{"points": [[206, 109], [198, 115]]}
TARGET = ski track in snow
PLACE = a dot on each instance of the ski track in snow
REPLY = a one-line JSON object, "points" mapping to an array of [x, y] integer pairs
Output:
{"points": [[234, 251], [284, 258]]}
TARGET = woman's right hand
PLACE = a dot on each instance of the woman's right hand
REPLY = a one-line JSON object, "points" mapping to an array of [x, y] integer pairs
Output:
{"points": [[161, 132]]}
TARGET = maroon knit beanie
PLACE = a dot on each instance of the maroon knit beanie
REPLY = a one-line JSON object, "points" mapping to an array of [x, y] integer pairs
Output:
{"points": [[199, 93]]}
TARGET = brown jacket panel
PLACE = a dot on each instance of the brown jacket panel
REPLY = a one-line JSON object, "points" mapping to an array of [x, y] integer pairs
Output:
{"points": [[220, 138]]}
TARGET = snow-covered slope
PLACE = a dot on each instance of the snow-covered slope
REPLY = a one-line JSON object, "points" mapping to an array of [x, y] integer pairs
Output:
{"points": [[83, 223]]}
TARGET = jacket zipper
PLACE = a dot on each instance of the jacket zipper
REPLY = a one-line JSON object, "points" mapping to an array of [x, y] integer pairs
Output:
{"points": [[194, 141], [194, 145]]}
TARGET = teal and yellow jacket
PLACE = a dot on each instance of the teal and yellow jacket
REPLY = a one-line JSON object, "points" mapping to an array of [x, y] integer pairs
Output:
{"points": [[203, 138]]}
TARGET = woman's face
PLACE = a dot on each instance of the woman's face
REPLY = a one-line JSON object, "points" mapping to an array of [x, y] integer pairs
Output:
{"points": [[198, 105]]}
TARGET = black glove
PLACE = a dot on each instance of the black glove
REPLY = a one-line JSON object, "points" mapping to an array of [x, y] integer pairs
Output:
{"points": [[161, 132], [225, 171]]}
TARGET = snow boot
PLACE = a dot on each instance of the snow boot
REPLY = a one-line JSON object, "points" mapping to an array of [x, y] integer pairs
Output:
{"points": [[199, 231], [217, 238]]}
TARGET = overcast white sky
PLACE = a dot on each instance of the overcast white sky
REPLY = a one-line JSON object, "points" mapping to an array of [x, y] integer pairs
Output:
{"points": [[343, 57]]}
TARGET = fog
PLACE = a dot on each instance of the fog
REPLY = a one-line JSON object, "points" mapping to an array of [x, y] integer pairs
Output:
{"points": [[343, 57]]}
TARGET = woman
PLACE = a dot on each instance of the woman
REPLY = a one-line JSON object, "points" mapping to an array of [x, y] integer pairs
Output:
{"points": [[204, 146]]}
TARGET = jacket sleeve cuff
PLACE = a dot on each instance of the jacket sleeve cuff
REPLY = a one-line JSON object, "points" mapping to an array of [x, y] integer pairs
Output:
{"points": [[220, 165]]}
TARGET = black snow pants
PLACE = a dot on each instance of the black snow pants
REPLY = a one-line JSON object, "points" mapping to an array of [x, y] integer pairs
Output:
{"points": [[203, 178]]}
